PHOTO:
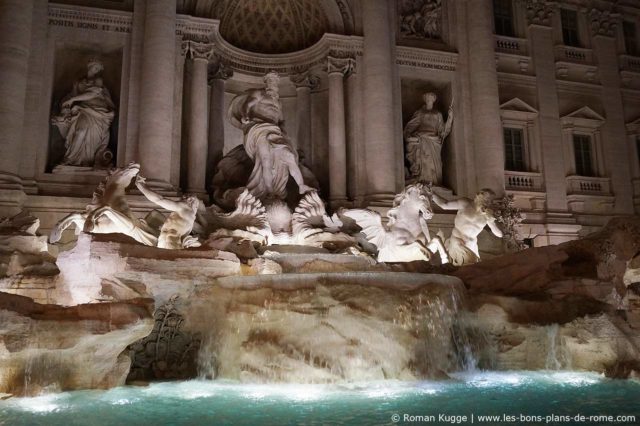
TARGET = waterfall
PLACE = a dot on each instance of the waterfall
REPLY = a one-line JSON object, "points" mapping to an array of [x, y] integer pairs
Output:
{"points": [[557, 356]]}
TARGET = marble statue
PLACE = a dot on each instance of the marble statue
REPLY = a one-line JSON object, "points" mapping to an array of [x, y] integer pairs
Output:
{"points": [[176, 229], [308, 225], [258, 113], [471, 218], [421, 19], [85, 118], [109, 211], [406, 236], [424, 134]]}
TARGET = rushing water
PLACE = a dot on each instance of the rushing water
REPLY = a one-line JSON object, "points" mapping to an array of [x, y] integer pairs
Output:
{"points": [[213, 402]]}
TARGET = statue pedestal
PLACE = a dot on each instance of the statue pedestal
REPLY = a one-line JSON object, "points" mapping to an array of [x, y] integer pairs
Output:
{"points": [[62, 169]]}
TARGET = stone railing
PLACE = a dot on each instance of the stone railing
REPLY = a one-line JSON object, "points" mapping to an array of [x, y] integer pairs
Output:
{"points": [[588, 185], [630, 63], [513, 45], [573, 54], [523, 181]]}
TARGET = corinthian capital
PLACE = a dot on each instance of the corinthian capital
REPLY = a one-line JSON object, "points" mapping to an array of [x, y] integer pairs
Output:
{"points": [[344, 66], [540, 12], [305, 79], [219, 71], [198, 50], [603, 22]]}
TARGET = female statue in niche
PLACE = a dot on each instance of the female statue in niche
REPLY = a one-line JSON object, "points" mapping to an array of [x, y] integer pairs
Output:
{"points": [[86, 114], [425, 133]]}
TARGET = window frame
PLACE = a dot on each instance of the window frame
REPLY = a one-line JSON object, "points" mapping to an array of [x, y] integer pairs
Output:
{"points": [[511, 19], [523, 148], [581, 136], [578, 42], [635, 51]]}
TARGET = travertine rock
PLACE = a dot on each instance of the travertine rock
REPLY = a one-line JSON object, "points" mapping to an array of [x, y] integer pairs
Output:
{"points": [[50, 347], [577, 287]]}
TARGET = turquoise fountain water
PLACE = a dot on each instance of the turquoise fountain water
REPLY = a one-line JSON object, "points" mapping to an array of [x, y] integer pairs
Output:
{"points": [[514, 397]]}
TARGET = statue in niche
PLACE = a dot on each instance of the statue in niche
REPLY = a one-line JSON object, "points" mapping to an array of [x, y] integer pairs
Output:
{"points": [[85, 118], [472, 217], [176, 229], [421, 18], [258, 113], [424, 134]]}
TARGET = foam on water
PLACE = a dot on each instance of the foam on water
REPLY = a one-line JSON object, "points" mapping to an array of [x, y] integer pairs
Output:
{"points": [[226, 402]]}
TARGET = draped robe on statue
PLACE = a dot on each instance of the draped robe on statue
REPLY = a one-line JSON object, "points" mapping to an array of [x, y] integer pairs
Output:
{"points": [[85, 126], [425, 133], [259, 115]]}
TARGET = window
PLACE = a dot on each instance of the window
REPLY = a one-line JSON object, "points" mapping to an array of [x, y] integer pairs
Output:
{"points": [[582, 152], [638, 148], [569, 19], [503, 17], [513, 150], [630, 38]]}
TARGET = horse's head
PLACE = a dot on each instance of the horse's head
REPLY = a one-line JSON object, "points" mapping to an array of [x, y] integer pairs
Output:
{"points": [[414, 201]]}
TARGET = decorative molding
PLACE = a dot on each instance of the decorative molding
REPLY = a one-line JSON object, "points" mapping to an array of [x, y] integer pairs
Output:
{"points": [[305, 79], [195, 29], [423, 58], [517, 109], [88, 18], [197, 50], [344, 66], [584, 117], [540, 12], [603, 22]]}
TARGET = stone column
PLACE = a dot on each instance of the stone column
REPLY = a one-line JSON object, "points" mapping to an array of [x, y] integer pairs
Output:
{"points": [[550, 130], [304, 82], [15, 38], [337, 68], [219, 73], [197, 145], [485, 102], [378, 113], [615, 148], [487, 135], [156, 93]]}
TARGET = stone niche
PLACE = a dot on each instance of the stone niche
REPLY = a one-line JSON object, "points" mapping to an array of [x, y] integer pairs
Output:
{"points": [[412, 92], [70, 67]]}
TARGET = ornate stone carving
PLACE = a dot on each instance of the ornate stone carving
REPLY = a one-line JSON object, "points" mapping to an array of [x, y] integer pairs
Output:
{"points": [[421, 19], [305, 79], [176, 229], [406, 236], [603, 22], [424, 135], [219, 70], [540, 12], [258, 113], [167, 352], [84, 121], [344, 66], [109, 211], [308, 225], [471, 218], [197, 50], [271, 26]]}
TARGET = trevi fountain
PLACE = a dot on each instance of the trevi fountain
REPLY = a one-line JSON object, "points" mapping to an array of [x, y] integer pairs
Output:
{"points": [[276, 212]]}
